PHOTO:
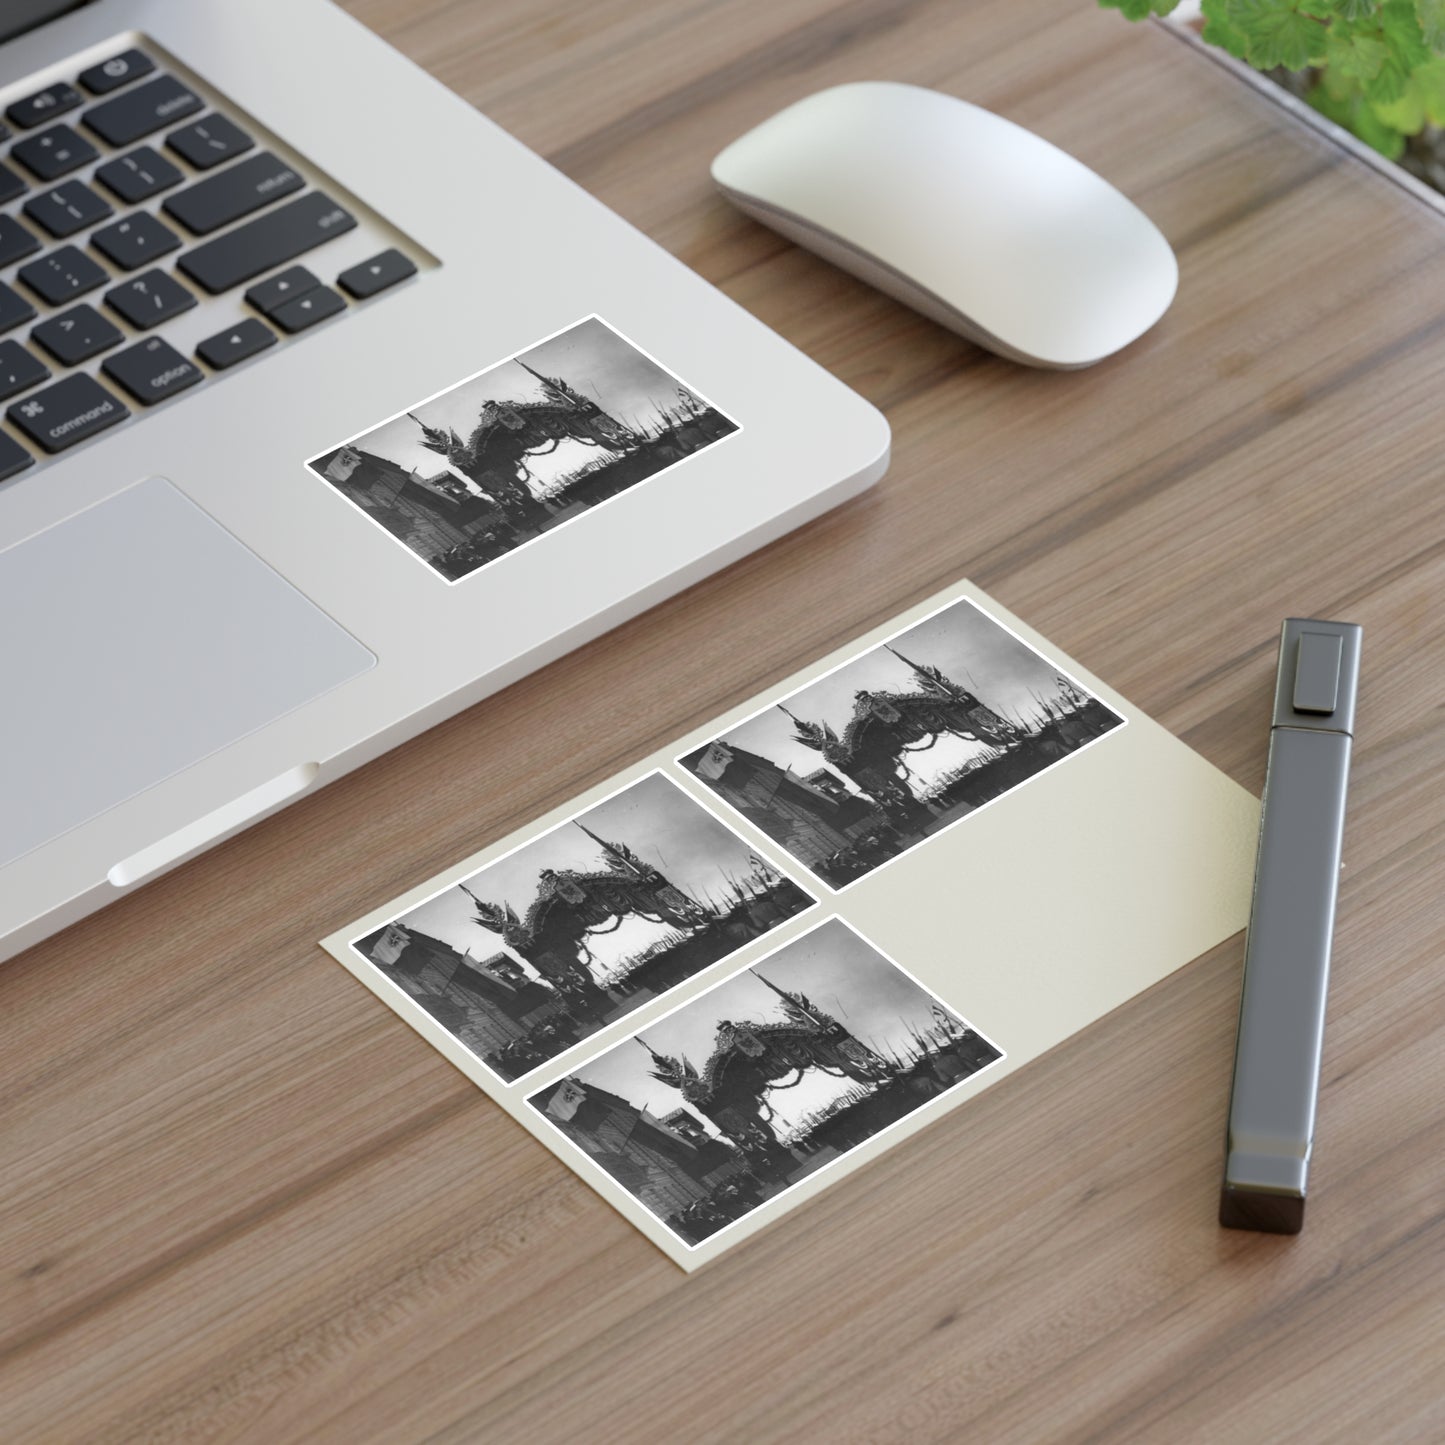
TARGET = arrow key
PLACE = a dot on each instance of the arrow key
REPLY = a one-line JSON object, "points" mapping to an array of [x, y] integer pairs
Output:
{"points": [[284, 286], [235, 343], [307, 310], [376, 274]]}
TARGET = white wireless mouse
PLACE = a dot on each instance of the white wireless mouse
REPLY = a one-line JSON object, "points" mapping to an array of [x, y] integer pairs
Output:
{"points": [[970, 219]]}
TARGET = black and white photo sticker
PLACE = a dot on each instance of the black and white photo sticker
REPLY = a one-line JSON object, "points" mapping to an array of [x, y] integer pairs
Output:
{"points": [[522, 448], [900, 743], [740, 1094], [581, 925]]}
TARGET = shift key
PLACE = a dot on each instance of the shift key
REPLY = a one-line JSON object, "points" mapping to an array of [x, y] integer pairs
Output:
{"points": [[232, 193], [266, 242]]}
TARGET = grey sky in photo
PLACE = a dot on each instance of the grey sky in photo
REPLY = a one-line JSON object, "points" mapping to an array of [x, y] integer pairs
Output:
{"points": [[962, 640], [590, 357], [838, 971], [653, 817]]}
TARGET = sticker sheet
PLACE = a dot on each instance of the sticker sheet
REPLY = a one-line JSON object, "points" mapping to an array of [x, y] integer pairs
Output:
{"points": [[723, 979], [583, 924]]}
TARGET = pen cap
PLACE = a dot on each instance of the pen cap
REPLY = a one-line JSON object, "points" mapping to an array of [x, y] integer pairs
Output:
{"points": [[1318, 675]]}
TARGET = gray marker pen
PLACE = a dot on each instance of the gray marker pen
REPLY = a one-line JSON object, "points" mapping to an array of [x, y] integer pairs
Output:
{"points": [[1291, 925]]}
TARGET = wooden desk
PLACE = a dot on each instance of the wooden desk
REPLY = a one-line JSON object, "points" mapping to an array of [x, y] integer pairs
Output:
{"points": [[241, 1200]]}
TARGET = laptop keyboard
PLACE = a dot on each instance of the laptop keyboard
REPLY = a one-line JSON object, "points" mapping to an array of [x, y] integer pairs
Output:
{"points": [[129, 201]]}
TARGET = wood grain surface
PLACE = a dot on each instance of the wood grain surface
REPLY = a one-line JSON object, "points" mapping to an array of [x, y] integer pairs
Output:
{"points": [[240, 1200]]}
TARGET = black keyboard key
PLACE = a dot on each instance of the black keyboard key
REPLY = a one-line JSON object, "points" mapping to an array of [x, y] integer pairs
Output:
{"points": [[69, 207], [54, 152], [119, 70], [13, 457], [74, 408], [14, 308], [44, 105], [77, 335], [284, 286], [208, 142], [138, 176], [266, 242], [135, 241], [140, 111], [19, 369], [307, 310], [149, 299], [10, 184], [152, 370], [15, 241], [235, 192], [376, 274], [62, 275], [235, 343]]}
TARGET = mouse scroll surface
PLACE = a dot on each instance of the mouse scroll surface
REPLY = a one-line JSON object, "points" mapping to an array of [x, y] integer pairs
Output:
{"points": [[141, 637], [972, 219]]}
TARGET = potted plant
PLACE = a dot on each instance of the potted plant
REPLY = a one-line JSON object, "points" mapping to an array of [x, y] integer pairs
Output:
{"points": [[1375, 68]]}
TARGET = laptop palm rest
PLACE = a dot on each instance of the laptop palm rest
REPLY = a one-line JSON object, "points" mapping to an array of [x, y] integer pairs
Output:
{"points": [[139, 637]]}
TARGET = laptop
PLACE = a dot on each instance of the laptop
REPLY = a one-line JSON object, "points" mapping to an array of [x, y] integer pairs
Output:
{"points": [[326, 410]]}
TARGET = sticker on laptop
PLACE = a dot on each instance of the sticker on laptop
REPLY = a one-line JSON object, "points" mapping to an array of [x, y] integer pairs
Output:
{"points": [[896, 745], [581, 925], [525, 447], [737, 1096]]}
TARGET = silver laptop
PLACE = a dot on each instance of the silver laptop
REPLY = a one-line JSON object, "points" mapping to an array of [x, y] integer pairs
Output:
{"points": [[326, 409]]}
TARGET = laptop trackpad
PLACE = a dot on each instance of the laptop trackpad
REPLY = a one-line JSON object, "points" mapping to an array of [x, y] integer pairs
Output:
{"points": [[136, 639]]}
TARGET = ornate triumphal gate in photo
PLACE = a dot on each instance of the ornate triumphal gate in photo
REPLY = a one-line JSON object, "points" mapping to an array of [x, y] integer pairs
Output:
{"points": [[750, 1060], [571, 907], [886, 725], [508, 434]]}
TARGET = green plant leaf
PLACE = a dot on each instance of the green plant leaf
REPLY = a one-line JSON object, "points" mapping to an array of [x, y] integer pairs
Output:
{"points": [[1389, 85], [1344, 9], [1333, 107], [1380, 54], [1377, 134], [1401, 28], [1431, 17], [1428, 82], [1353, 55], [1406, 115], [1140, 9], [1220, 30], [1276, 33], [1390, 82], [1338, 85]]}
